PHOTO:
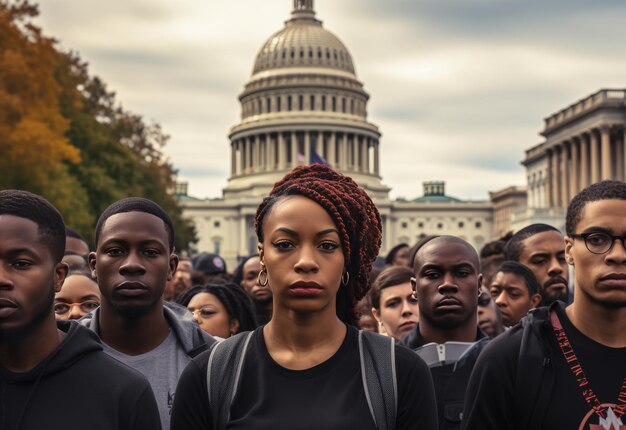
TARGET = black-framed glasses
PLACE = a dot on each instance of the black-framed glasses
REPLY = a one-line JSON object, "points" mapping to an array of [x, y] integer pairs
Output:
{"points": [[87, 306], [599, 242]]}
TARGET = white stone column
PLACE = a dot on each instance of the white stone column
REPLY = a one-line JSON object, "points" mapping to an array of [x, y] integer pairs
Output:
{"points": [[246, 144], [618, 174], [564, 178], [294, 149], [233, 158], [307, 148], [556, 195], [355, 153], [282, 151], [595, 157], [344, 153], [574, 171], [584, 161], [363, 147], [332, 150], [605, 136], [243, 234], [376, 158]]}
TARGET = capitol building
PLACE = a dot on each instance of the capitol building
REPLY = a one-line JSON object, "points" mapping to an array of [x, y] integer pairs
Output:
{"points": [[304, 104]]}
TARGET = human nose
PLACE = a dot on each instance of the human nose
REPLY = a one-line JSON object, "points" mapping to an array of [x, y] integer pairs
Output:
{"points": [[556, 267], [617, 253], [75, 312], [448, 285], [5, 280], [501, 300], [132, 264], [406, 309], [306, 260]]}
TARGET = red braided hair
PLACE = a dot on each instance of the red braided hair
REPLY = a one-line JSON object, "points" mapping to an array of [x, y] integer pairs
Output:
{"points": [[354, 214]]}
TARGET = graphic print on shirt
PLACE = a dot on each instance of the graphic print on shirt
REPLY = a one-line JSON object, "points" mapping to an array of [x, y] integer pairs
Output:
{"points": [[592, 421]]}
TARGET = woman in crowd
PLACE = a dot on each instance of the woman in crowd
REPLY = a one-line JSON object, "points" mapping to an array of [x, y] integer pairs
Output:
{"points": [[393, 304], [398, 256], [222, 310], [78, 296], [318, 236], [246, 274]]}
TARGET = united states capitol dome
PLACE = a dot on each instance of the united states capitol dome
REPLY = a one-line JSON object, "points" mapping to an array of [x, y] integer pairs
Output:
{"points": [[303, 42]]}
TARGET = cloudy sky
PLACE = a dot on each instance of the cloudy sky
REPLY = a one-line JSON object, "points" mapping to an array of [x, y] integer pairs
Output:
{"points": [[459, 88]]}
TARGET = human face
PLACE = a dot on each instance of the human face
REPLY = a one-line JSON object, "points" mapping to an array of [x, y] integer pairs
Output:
{"points": [[402, 257], [76, 246], [544, 254], [78, 296], [511, 294], [600, 278], [303, 255], [488, 319], [250, 281], [447, 284], [132, 263], [179, 282], [29, 276], [399, 311], [212, 316]]}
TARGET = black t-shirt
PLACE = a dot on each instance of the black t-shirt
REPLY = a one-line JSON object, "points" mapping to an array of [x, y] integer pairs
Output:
{"points": [[605, 368], [327, 396]]}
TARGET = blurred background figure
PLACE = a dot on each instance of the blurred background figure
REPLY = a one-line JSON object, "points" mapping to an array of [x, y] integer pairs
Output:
{"points": [[492, 255], [246, 275], [75, 262], [78, 296], [515, 291], [366, 320], [398, 256], [489, 317], [179, 282], [208, 268], [393, 303], [75, 243], [221, 310]]}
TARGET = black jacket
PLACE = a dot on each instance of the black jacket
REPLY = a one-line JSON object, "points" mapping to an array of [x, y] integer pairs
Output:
{"points": [[450, 380], [76, 387], [514, 378]]}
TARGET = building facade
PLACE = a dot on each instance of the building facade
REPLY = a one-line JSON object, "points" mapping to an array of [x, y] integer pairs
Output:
{"points": [[584, 144], [304, 104]]}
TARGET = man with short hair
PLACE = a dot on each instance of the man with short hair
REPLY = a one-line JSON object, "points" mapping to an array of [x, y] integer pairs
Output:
{"points": [[75, 243], [133, 261], [54, 374], [541, 248], [515, 291], [447, 284], [564, 367]]}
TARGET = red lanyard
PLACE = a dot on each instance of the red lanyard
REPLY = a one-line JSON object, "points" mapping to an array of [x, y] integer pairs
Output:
{"points": [[570, 357]]}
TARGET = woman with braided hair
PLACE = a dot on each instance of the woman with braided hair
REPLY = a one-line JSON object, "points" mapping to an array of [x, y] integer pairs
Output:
{"points": [[319, 234]]}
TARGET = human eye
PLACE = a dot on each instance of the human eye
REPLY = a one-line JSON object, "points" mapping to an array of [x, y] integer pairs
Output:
{"points": [[328, 246], [207, 312], [61, 308], [431, 274], [597, 239], [494, 292], [412, 300], [89, 305], [463, 273], [22, 264], [538, 261], [113, 252], [283, 245], [392, 304], [151, 252]]}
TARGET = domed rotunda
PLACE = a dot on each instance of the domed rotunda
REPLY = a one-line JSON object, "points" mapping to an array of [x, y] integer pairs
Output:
{"points": [[303, 104]]}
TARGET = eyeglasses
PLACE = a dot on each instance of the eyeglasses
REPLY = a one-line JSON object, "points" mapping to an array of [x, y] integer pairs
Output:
{"points": [[204, 312], [599, 242], [484, 299], [61, 308]]}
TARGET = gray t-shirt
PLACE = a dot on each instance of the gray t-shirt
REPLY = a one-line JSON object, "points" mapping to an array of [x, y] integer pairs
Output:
{"points": [[162, 366]]}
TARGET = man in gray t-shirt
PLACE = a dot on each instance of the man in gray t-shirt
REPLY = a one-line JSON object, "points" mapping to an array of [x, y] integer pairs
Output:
{"points": [[133, 261]]}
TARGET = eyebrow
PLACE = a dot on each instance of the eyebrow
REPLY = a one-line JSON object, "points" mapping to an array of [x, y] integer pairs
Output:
{"points": [[595, 229], [295, 233], [125, 242], [87, 297], [464, 264]]}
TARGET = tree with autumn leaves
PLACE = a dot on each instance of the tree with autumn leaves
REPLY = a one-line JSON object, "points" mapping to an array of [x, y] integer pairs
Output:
{"points": [[64, 136]]}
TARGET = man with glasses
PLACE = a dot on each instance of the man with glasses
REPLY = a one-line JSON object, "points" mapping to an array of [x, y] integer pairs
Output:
{"points": [[565, 367]]}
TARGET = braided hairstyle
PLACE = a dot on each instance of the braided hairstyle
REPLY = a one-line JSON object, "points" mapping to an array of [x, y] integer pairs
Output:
{"points": [[354, 215], [236, 301]]}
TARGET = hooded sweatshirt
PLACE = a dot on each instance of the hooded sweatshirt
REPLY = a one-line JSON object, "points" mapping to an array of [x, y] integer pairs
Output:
{"points": [[77, 386]]}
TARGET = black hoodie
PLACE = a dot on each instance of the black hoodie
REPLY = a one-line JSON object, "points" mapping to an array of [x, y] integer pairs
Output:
{"points": [[77, 386]]}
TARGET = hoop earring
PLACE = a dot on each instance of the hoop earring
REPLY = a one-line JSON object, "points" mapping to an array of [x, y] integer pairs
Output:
{"points": [[265, 280], [413, 296], [347, 278]]}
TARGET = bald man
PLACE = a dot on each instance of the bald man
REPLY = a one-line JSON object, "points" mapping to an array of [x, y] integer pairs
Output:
{"points": [[447, 285]]}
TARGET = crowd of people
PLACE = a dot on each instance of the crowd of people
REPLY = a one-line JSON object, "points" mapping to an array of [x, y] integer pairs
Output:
{"points": [[316, 330]]}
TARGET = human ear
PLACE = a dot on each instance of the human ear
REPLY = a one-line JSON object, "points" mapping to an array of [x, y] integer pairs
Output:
{"points": [[535, 300], [173, 266], [261, 250], [376, 314], [60, 273], [234, 326], [569, 248], [91, 261]]}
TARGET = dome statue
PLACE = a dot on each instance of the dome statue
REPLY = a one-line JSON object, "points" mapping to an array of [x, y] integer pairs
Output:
{"points": [[303, 104]]}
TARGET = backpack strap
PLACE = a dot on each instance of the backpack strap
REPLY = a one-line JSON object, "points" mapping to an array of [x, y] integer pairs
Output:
{"points": [[378, 371], [223, 373]]}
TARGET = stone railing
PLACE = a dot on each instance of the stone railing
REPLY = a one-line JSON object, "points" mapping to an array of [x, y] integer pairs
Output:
{"points": [[584, 105]]}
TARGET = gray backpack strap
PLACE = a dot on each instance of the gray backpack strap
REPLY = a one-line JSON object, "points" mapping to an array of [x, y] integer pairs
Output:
{"points": [[378, 371], [223, 375]]}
